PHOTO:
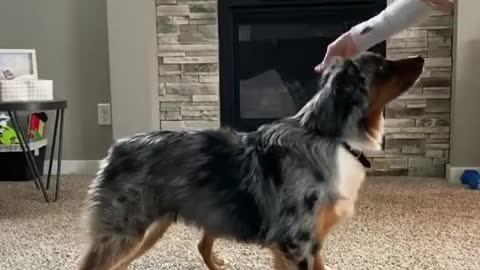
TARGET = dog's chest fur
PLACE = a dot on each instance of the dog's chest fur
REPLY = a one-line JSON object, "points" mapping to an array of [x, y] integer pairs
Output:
{"points": [[349, 179]]}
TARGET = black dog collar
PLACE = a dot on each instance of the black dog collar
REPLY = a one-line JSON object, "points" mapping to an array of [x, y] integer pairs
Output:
{"points": [[358, 155]]}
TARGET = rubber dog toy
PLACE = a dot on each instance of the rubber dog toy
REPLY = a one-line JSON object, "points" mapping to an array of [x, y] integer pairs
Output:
{"points": [[475, 183], [468, 175], [471, 178]]}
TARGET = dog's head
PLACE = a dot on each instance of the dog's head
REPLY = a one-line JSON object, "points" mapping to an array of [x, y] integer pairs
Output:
{"points": [[353, 94]]}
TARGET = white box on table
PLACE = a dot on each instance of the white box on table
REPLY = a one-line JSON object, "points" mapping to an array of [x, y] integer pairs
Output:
{"points": [[25, 90]]}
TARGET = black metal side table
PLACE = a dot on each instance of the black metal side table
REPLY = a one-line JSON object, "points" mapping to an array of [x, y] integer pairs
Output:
{"points": [[59, 106]]}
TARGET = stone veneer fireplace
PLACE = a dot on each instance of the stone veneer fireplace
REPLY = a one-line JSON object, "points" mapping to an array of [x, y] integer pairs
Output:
{"points": [[417, 124]]}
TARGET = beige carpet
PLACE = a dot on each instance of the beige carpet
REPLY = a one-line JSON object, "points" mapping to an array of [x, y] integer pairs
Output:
{"points": [[399, 224]]}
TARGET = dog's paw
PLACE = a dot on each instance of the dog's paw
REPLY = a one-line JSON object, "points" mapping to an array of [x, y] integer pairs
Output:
{"points": [[327, 267], [219, 262], [215, 263]]}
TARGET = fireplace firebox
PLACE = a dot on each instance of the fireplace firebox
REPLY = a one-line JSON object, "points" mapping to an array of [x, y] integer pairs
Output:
{"points": [[268, 48]]}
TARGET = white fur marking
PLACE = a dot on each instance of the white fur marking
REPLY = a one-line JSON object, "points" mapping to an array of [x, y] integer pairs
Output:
{"points": [[375, 139], [351, 175]]}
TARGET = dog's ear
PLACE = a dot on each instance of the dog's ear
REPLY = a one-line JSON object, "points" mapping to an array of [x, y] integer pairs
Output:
{"points": [[343, 91], [348, 83]]}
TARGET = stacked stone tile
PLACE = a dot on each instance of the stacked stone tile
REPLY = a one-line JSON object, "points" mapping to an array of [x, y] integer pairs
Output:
{"points": [[417, 124], [188, 63]]}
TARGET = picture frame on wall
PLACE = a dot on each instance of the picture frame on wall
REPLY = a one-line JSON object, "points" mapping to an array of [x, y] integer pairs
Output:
{"points": [[18, 63]]}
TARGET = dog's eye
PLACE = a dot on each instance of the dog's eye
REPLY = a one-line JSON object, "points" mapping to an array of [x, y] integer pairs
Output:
{"points": [[382, 69]]}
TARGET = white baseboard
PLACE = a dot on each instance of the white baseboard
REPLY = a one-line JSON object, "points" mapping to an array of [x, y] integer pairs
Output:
{"points": [[454, 173], [88, 167]]}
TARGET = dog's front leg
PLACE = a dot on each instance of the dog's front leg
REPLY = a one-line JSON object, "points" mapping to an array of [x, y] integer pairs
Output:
{"points": [[327, 218], [297, 255], [319, 264]]}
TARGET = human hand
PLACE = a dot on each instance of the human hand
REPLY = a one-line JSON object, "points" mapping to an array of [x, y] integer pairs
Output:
{"points": [[443, 5], [343, 46]]}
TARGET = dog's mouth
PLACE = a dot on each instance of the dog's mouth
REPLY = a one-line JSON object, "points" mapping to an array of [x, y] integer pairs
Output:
{"points": [[402, 75]]}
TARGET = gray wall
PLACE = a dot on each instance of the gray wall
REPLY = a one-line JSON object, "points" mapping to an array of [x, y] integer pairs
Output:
{"points": [[133, 66], [70, 37], [465, 135]]}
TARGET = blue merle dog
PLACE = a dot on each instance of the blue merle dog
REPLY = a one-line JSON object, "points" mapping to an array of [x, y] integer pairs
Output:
{"points": [[283, 186]]}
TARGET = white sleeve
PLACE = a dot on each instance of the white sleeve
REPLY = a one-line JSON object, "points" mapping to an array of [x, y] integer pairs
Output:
{"points": [[398, 16]]}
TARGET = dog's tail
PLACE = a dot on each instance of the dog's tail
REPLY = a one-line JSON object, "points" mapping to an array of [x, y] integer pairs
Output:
{"points": [[108, 241]]}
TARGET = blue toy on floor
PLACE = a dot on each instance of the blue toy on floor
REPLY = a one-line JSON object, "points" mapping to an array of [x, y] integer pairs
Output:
{"points": [[471, 178]]}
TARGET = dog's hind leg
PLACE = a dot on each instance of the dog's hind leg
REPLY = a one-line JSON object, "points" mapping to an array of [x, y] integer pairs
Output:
{"points": [[205, 247], [151, 236], [106, 251], [114, 253]]}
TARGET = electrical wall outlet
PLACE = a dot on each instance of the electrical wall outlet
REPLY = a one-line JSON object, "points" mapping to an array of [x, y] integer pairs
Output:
{"points": [[104, 114]]}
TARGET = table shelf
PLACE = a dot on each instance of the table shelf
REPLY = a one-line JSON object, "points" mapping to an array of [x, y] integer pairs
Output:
{"points": [[34, 146], [48, 105]]}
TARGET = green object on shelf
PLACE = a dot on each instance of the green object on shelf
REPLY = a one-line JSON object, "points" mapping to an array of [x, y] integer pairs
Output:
{"points": [[9, 136], [36, 135]]}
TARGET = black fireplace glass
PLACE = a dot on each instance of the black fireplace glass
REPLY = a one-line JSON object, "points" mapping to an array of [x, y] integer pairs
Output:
{"points": [[275, 65], [268, 54]]}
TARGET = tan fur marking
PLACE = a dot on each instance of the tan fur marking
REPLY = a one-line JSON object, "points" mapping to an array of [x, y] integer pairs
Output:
{"points": [[407, 72], [205, 247], [151, 236], [279, 260], [327, 219], [382, 94], [319, 264]]}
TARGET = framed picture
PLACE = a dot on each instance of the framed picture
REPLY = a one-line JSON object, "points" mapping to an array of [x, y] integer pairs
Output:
{"points": [[16, 63]]}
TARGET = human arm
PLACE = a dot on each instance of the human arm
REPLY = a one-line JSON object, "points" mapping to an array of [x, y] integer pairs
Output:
{"points": [[398, 16]]}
